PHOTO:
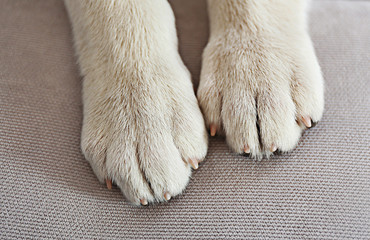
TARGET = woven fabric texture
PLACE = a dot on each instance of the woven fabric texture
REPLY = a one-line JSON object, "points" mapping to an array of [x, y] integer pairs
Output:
{"points": [[47, 189]]}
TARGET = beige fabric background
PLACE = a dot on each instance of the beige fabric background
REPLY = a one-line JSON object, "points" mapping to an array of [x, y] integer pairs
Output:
{"points": [[319, 191]]}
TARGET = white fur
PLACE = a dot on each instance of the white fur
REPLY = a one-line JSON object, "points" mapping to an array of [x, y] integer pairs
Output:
{"points": [[142, 122], [259, 67], [141, 118]]}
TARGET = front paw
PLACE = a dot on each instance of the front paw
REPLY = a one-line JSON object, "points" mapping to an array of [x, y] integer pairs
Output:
{"points": [[260, 94], [145, 136]]}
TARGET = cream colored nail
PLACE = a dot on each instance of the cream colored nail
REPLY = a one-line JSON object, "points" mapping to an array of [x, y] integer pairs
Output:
{"points": [[143, 202], [194, 163], [213, 129], [167, 196], [247, 149], [273, 148], [307, 121]]}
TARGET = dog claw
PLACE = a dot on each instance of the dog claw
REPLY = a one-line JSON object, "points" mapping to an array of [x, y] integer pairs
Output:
{"points": [[108, 182], [213, 129], [193, 163], [247, 149], [273, 148], [143, 202], [167, 196], [307, 121]]}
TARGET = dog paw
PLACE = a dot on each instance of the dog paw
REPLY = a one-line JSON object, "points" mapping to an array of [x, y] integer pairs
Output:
{"points": [[260, 94], [142, 127], [143, 131]]}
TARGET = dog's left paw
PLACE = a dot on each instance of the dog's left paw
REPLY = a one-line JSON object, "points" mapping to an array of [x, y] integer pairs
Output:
{"points": [[260, 94]]}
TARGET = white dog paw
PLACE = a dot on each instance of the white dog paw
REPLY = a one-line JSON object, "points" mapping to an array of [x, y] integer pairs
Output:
{"points": [[142, 127], [144, 131], [260, 94]]}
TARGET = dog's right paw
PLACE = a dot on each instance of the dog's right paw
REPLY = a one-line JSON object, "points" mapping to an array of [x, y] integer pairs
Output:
{"points": [[144, 136], [142, 126]]}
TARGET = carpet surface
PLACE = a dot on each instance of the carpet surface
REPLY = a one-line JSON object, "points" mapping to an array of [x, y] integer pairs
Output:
{"points": [[48, 190]]}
